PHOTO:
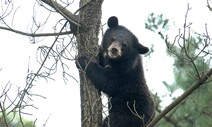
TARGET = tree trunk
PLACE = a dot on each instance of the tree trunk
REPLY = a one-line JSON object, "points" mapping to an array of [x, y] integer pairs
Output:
{"points": [[86, 27], [87, 39]]}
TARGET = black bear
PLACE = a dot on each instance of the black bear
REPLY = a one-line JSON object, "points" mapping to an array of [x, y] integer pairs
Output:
{"points": [[119, 74]]}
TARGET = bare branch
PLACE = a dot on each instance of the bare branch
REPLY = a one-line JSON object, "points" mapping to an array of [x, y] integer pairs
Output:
{"points": [[186, 47], [168, 118], [19, 102], [185, 51], [180, 99], [208, 5], [4, 12], [46, 56], [35, 35], [63, 11], [4, 115]]}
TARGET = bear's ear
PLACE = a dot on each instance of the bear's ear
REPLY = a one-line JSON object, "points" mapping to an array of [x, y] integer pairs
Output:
{"points": [[112, 22], [139, 47]]}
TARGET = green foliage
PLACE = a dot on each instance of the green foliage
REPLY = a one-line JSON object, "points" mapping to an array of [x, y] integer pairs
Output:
{"points": [[13, 119], [191, 53], [156, 23]]}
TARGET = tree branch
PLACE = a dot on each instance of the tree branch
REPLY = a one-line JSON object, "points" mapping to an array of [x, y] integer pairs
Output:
{"points": [[35, 35], [73, 19], [209, 6], [200, 82]]}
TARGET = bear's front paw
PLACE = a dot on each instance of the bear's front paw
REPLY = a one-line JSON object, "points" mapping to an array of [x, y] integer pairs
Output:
{"points": [[81, 62]]}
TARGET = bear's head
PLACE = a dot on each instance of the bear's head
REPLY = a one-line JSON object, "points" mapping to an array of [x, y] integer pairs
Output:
{"points": [[119, 43]]}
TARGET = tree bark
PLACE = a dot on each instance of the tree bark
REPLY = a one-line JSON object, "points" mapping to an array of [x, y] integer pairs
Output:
{"points": [[87, 39], [85, 26]]}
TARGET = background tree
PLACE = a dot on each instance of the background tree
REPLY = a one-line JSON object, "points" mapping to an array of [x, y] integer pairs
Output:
{"points": [[191, 52]]}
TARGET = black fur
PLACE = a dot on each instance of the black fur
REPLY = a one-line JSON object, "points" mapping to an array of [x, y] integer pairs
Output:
{"points": [[112, 22], [121, 79]]}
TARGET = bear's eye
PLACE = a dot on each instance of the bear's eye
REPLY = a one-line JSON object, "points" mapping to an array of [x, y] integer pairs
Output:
{"points": [[113, 38], [124, 44]]}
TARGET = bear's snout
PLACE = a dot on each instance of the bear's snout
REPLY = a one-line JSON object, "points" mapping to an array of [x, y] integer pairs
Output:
{"points": [[114, 50]]}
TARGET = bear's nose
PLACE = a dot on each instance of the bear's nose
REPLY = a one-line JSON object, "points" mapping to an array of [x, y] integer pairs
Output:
{"points": [[114, 50]]}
